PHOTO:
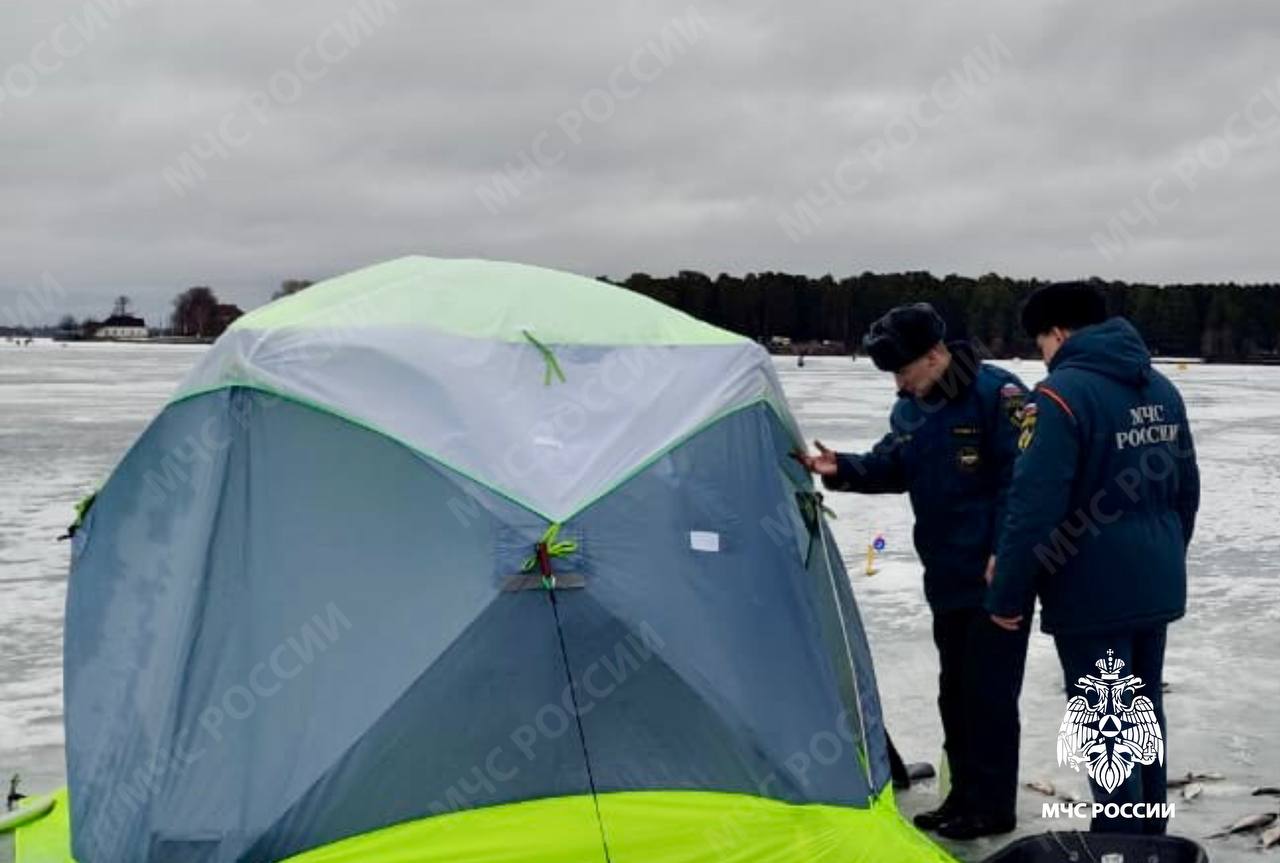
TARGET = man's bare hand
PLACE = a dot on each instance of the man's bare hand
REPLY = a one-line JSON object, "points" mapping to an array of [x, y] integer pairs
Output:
{"points": [[823, 464], [1010, 623], [990, 574]]}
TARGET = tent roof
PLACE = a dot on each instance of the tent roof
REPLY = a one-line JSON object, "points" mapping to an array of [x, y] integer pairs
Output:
{"points": [[486, 300], [546, 387]]}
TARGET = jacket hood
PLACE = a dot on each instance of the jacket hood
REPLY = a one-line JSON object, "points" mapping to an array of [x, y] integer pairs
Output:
{"points": [[1112, 348]]}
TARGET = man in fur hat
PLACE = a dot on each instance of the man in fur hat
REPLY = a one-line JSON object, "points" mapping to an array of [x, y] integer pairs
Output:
{"points": [[951, 446]]}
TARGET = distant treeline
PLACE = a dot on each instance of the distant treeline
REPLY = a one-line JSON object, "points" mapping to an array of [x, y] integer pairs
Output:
{"points": [[1224, 322], [1221, 322]]}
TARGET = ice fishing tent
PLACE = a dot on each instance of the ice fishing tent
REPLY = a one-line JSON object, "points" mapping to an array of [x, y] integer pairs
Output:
{"points": [[469, 561]]}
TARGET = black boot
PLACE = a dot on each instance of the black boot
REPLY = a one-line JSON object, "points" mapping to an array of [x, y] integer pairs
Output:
{"points": [[964, 827], [931, 820]]}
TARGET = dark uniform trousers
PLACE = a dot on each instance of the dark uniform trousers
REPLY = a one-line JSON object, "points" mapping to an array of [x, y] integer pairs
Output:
{"points": [[1143, 655], [978, 688]]}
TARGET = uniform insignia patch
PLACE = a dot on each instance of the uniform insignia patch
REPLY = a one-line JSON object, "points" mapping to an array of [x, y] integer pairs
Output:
{"points": [[965, 431], [968, 459], [1011, 399], [1028, 426]]}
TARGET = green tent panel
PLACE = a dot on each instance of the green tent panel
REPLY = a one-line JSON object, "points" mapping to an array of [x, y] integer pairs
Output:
{"points": [[646, 827]]}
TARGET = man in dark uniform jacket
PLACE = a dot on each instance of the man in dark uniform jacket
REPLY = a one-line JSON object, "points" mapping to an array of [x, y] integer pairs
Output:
{"points": [[1100, 513], [951, 446]]}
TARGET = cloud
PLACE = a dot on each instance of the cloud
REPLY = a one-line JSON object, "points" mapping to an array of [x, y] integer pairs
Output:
{"points": [[682, 135]]}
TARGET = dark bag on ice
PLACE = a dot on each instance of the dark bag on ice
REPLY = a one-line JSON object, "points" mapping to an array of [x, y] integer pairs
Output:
{"points": [[1074, 847]]}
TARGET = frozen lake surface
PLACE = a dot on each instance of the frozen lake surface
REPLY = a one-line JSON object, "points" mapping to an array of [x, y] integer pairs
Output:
{"points": [[67, 414]]}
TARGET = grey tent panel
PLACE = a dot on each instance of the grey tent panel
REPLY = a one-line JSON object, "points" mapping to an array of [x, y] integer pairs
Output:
{"points": [[309, 638], [250, 560], [731, 690], [490, 722]]}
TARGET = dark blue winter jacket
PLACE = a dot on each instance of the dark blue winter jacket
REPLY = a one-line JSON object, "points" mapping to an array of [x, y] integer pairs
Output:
{"points": [[1105, 494], [953, 452]]}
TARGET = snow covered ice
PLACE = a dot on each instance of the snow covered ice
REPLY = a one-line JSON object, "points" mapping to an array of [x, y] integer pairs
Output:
{"points": [[67, 414]]}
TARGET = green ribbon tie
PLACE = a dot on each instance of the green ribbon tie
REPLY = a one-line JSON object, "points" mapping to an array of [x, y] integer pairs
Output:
{"points": [[555, 548], [548, 357], [82, 510]]}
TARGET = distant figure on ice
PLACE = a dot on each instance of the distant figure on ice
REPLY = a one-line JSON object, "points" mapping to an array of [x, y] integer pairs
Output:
{"points": [[1102, 508], [951, 446]]}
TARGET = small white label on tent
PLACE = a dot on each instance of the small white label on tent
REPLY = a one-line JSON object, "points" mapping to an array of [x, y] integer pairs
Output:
{"points": [[554, 443], [704, 540]]}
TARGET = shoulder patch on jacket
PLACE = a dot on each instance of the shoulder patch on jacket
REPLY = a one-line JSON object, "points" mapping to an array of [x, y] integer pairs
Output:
{"points": [[1028, 426], [1011, 401]]}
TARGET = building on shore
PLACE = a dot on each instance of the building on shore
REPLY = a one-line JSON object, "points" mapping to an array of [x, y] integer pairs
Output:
{"points": [[119, 327]]}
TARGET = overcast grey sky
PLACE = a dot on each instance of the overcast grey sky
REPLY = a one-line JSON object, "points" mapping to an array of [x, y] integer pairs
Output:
{"points": [[149, 145]]}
